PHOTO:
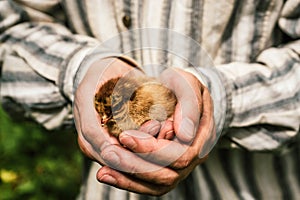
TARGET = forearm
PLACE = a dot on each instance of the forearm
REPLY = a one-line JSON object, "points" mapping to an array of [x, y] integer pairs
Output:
{"points": [[42, 67], [263, 107], [39, 61], [39, 65], [266, 98]]}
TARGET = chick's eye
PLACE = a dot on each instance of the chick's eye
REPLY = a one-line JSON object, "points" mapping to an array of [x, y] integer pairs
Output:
{"points": [[132, 96]]}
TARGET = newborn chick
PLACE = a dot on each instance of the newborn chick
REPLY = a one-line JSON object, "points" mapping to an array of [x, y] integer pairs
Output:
{"points": [[127, 103]]}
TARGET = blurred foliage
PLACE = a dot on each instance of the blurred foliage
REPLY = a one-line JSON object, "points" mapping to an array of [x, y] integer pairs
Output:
{"points": [[37, 164]]}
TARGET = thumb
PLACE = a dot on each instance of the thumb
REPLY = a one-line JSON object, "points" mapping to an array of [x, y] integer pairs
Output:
{"points": [[188, 91]]}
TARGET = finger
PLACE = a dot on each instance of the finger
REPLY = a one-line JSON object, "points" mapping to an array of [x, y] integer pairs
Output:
{"points": [[207, 136], [167, 130], [151, 127], [130, 183], [140, 183], [187, 89], [132, 163], [160, 151], [204, 139]]}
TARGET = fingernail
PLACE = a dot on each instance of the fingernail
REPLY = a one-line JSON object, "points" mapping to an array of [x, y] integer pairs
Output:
{"points": [[127, 140], [169, 135], [154, 129], [108, 179], [151, 127], [112, 158], [187, 128]]}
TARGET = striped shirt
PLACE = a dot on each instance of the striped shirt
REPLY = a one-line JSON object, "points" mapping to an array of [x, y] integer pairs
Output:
{"points": [[246, 52]]}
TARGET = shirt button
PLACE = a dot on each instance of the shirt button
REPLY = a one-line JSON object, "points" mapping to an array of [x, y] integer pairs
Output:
{"points": [[126, 21]]}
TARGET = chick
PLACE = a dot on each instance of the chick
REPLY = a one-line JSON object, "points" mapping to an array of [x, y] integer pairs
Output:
{"points": [[127, 103]]}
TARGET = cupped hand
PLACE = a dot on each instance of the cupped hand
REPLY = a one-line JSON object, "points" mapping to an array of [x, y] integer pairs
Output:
{"points": [[92, 138], [159, 164]]}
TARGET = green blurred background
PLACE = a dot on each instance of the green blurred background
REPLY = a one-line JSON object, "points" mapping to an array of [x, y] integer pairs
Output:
{"points": [[36, 164]]}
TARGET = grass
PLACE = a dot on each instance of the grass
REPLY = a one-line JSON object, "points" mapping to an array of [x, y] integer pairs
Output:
{"points": [[36, 164]]}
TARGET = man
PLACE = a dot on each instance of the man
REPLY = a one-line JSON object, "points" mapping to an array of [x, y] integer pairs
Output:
{"points": [[59, 49]]}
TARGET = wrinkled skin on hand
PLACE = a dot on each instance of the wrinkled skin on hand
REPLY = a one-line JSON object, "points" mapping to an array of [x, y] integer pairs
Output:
{"points": [[169, 161], [148, 165], [92, 138]]}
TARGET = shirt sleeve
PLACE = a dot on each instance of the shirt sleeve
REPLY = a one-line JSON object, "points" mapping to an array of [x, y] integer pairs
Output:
{"points": [[258, 104], [40, 58]]}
